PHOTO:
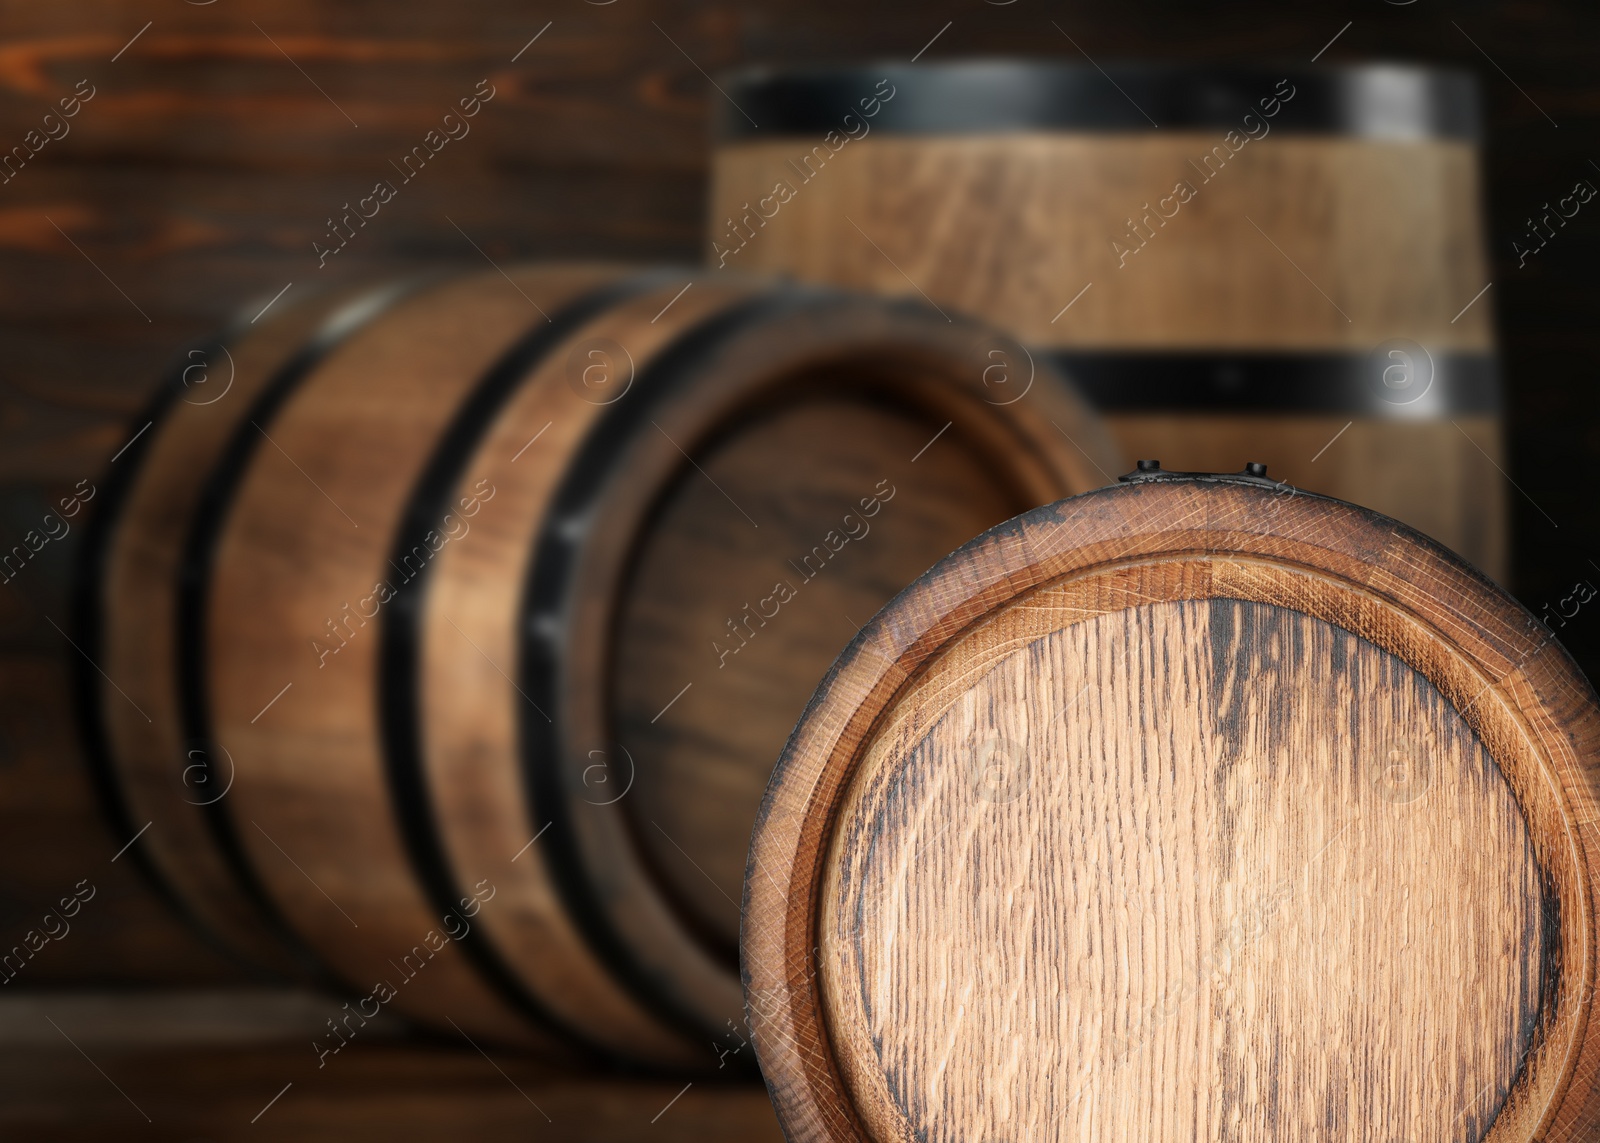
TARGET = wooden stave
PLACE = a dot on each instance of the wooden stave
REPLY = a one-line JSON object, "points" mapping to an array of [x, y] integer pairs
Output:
{"points": [[193, 666], [91, 617], [1404, 572], [1007, 265], [1443, 477], [401, 921], [138, 553], [1377, 130]]}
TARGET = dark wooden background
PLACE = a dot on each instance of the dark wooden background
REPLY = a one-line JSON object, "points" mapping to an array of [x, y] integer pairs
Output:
{"points": [[195, 181]]}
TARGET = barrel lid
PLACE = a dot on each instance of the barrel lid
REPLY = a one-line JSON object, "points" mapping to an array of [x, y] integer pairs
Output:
{"points": [[985, 96], [1187, 807]]}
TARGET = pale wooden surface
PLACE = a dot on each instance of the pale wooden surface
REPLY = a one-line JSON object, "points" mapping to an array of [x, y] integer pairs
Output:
{"points": [[1384, 798], [1194, 870], [1011, 226]]}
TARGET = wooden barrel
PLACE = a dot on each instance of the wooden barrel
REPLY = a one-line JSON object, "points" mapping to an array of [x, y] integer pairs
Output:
{"points": [[1286, 263], [446, 654], [1185, 809]]}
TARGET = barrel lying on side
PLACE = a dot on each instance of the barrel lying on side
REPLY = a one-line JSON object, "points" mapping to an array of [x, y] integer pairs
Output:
{"points": [[1185, 809], [1227, 260], [468, 633]]}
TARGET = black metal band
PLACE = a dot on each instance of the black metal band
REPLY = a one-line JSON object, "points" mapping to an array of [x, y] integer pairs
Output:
{"points": [[1415, 384], [990, 96], [194, 591], [400, 656]]}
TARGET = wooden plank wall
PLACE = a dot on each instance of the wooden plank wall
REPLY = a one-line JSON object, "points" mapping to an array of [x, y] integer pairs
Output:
{"points": [[217, 144]]}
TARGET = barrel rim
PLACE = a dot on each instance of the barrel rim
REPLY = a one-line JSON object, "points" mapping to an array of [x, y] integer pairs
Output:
{"points": [[993, 95]]}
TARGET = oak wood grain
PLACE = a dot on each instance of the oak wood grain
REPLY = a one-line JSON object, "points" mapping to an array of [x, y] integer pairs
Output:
{"points": [[1304, 749], [1189, 870]]}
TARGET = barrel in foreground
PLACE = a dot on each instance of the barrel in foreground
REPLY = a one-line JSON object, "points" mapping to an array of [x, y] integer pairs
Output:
{"points": [[461, 635], [1191, 808]]}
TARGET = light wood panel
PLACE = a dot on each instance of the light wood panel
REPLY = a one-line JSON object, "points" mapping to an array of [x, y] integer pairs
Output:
{"points": [[1191, 870]]}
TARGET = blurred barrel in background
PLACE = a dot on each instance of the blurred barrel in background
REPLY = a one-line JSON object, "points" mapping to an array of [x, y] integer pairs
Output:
{"points": [[449, 635], [1217, 798], [1228, 261]]}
